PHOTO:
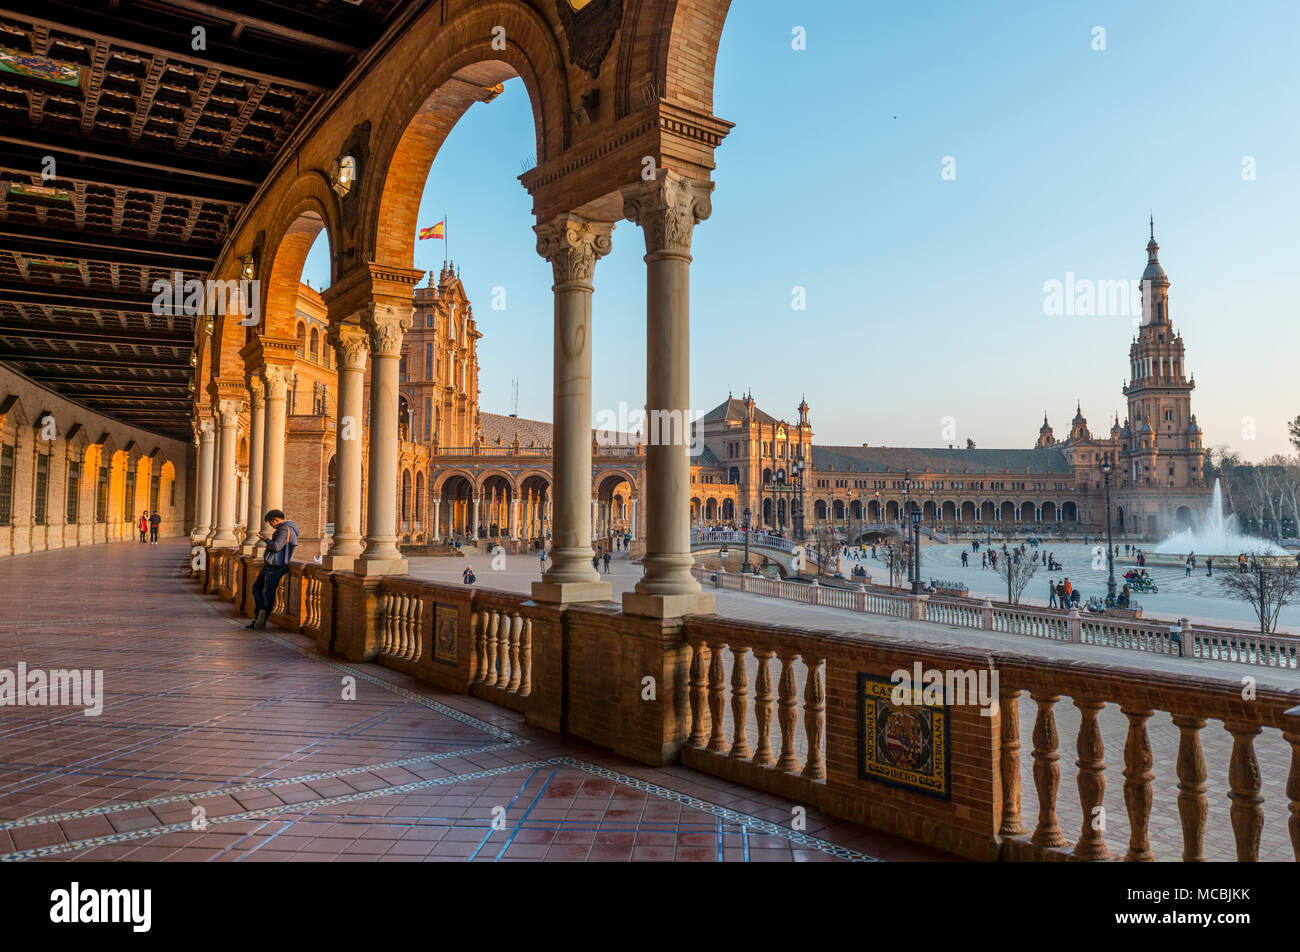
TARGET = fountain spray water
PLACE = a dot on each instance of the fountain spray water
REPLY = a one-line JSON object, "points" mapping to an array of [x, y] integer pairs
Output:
{"points": [[1217, 535]]}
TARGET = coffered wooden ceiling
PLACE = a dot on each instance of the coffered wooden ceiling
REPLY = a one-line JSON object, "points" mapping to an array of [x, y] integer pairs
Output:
{"points": [[156, 147]]}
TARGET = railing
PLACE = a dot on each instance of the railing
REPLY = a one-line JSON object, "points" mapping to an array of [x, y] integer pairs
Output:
{"points": [[1184, 640], [401, 624], [742, 675], [503, 648]]}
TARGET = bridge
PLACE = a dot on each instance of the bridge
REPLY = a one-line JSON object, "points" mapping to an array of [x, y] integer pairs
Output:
{"points": [[786, 553]]}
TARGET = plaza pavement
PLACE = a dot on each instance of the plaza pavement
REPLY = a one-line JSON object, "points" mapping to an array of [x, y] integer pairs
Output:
{"points": [[220, 744]]}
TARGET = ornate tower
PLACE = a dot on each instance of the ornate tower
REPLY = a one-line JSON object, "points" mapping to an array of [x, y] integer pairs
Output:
{"points": [[1163, 444], [1045, 435], [440, 364]]}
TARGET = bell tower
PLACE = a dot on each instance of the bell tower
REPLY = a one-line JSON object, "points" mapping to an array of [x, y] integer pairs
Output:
{"points": [[1164, 444]]}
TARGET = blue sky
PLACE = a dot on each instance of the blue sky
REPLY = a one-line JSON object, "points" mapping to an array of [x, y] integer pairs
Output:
{"points": [[925, 295]]}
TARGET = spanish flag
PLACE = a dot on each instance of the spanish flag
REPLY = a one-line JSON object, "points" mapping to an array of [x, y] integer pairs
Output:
{"points": [[434, 232]]}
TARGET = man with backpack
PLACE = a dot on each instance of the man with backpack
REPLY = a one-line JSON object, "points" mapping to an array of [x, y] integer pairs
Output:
{"points": [[279, 553], [154, 522]]}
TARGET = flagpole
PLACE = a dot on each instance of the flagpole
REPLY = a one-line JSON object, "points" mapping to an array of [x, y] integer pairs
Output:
{"points": [[446, 244]]}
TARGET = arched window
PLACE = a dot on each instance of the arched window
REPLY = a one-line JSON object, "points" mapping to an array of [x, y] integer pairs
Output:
{"points": [[302, 338], [315, 344], [419, 497], [406, 495]]}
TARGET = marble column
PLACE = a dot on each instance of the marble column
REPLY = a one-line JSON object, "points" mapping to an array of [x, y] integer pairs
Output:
{"points": [[205, 463], [435, 510], [256, 456], [275, 379], [351, 347], [668, 209], [473, 527], [632, 521], [227, 412], [572, 245], [386, 324]]}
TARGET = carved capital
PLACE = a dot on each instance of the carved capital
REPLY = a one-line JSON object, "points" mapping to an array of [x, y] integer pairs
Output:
{"points": [[227, 411], [386, 325], [206, 427], [351, 345], [668, 209], [256, 391], [277, 378], [573, 245]]}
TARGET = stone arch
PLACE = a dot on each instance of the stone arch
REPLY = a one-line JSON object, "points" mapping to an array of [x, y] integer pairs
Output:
{"points": [[1049, 511], [1182, 518], [624, 475], [308, 208], [988, 512], [949, 511], [1069, 512], [1027, 512], [968, 512], [683, 67], [439, 482], [454, 69], [483, 478]]}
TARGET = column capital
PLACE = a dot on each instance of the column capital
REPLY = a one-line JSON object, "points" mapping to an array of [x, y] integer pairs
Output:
{"points": [[277, 378], [351, 345], [228, 410], [573, 245], [205, 428], [668, 208], [256, 390], [386, 325]]}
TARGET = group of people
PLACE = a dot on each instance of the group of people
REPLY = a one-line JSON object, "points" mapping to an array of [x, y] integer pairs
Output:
{"points": [[1062, 594], [148, 527], [1190, 564]]}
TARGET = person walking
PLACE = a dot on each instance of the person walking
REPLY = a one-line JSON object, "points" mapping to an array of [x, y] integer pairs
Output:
{"points": [[541, 559], [1069, 592], [279, 553], [607, 560], [143, 525], [1209, 566], [1051, 594], [154, 522]]}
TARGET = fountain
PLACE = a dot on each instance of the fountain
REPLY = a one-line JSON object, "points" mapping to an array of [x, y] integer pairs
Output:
{"points": [[1217, 536]]}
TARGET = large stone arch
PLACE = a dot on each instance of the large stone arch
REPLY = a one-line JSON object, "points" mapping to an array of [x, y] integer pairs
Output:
{"points": [[454, 69], [439, 480], [681, 69], [306, 208]]}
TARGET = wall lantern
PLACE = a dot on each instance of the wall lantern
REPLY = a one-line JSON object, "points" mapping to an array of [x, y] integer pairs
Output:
{"points": [[248, 266], [194, 359], [344, 173]]}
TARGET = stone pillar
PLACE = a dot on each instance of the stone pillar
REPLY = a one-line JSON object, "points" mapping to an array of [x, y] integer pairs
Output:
{"points": [[632, 522], [386, 325], [256, 456], [205, 462], [275, 378], [473, 527], [514, 517], [667, 210], [227, 412], [351, 346], [435, 510], [572, 245]]}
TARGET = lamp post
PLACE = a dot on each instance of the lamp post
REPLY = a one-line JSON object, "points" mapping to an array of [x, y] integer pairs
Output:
{"points": [[1106, 470], [907, 488], [745, 568], [932, 512], [916, 548], [796, 515]]}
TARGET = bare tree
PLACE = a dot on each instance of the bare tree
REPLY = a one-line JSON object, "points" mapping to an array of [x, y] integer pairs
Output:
{"points": [[1015, 572], [1267, 590]]}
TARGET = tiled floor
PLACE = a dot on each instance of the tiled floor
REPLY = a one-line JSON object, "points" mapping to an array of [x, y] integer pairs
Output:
{"points": [[220, 744]]}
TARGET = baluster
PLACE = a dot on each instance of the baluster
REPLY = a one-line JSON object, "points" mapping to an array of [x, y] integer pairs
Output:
{"points": [[403, 625], [763, 707], [1047, 772], [1243, 780], [1091, 781], [503, 650], [1009, 707], [384, 600], [417, 628], [699, 697], [740, 703], [1292, 737], [475, 661], [814, 718], [526, 659], [488, 649], [1138, 761], [787, 714], [1192, 805], [717, 698], [516, 629]]}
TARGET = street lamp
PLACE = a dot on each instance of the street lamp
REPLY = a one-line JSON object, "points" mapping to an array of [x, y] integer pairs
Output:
{"points": [[916, 549], [1106, 470], [796, 516], [745, 569], [931, 512]]}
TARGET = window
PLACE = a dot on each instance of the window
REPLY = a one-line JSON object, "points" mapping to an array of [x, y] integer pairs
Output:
{"points": [[128, 499], [428, 319], [315, 344], [428, 419], [428, 360], [74, 491], [6, 484], [42, 485], [155, 484], [101, 496]]}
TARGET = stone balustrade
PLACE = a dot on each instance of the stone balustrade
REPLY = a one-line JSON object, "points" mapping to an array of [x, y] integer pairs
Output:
{"points": [[1152, 637]]}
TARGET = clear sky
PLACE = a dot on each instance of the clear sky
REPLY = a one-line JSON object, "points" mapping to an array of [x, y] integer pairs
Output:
{"points": [[925, 295]]}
